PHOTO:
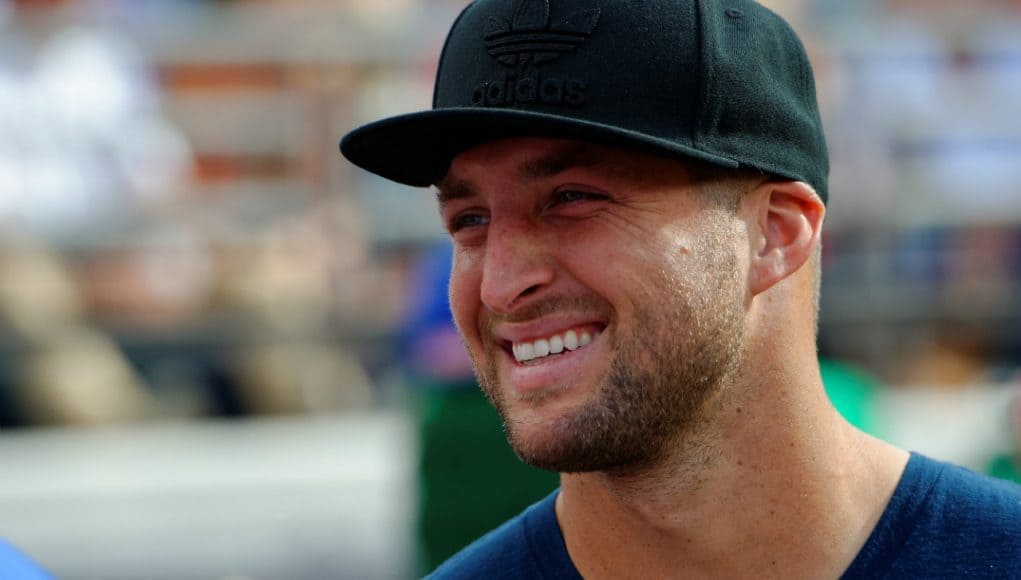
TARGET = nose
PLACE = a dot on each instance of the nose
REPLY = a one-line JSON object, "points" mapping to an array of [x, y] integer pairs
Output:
{"points": [[518, 265]]}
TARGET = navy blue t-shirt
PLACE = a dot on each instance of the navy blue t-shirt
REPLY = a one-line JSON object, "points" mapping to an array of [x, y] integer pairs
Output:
{"points": [[943, 521]]}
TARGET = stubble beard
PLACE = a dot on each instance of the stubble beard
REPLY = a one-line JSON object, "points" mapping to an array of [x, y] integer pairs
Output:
{"points": [[656, 401]]}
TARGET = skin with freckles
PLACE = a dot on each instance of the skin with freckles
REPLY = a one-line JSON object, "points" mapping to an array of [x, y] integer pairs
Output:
{"points": [[694, 426]]}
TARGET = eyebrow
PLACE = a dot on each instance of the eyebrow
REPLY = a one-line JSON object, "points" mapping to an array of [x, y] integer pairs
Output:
{"points": [[449, 190], [569, 157]]}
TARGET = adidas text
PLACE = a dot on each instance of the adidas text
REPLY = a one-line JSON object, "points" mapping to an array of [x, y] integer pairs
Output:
{"points": [[530, 89]]}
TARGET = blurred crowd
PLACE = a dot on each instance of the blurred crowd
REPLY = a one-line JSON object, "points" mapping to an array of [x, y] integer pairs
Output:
{"points": [[156, 263]]}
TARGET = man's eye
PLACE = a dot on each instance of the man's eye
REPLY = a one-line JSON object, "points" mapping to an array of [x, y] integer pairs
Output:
{"points": [[572, 195], [467, 221]]}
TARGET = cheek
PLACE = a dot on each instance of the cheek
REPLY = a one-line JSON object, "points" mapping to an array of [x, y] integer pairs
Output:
{"points": [[464, 296]]}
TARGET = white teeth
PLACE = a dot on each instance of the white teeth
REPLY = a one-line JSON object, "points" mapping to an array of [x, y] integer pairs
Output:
{"points": [[556, 344], [571, 340], [541, 348]]}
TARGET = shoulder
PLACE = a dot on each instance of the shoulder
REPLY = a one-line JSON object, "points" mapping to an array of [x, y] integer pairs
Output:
{"points": [[502, 553], [964, 490], [528, 546], [947, 521], [979, 512]]}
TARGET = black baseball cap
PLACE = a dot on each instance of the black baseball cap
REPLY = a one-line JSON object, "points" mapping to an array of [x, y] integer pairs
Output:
{"points": [[721, 81]]}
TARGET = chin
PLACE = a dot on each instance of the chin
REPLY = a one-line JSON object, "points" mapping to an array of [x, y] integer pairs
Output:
{"points": [[557, 442], [538, 435]]}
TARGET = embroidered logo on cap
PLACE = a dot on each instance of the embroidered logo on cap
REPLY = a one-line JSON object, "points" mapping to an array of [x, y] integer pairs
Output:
{"points": [[527, 42]]}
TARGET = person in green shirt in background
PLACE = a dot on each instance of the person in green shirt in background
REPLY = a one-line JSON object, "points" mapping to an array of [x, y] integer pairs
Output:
{"points": [[1008, 465]]}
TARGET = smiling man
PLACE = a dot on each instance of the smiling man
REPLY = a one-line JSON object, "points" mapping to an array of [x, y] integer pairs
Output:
{"points": [[635, 191], [589, 283]]}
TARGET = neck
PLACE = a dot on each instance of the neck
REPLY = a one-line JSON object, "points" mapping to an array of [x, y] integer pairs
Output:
{"points": [[776, 480]]}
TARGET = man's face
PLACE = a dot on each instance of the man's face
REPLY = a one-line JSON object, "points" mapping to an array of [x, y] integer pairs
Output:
{"points": [[601, 300]]}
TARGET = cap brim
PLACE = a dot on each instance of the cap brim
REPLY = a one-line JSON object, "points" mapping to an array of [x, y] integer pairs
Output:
{"points": [[416, 149]]}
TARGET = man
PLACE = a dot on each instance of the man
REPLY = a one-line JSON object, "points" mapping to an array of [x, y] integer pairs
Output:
{"points": [[635, 192]]}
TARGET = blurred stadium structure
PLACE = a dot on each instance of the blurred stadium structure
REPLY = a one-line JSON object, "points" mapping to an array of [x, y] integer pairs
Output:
{"points": [[200, 301]]}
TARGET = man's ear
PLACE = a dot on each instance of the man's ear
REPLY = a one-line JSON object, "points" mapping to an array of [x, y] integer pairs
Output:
{"points": [[788, 223]]}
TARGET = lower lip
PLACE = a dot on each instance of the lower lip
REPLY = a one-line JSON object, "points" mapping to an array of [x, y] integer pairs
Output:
{"points": [[552, 372]]}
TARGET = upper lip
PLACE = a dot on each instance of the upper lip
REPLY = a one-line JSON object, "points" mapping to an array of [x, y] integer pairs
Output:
{"points": [[512, 333]]}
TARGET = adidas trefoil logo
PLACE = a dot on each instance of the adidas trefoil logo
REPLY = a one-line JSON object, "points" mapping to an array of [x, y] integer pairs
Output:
{"points": [[528, 42]]}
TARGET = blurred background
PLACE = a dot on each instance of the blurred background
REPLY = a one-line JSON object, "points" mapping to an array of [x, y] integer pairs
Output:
{"points": [[226, 353]]}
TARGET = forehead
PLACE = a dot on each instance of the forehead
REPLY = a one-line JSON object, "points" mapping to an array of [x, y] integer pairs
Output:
{"points": [[531, 159]]}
